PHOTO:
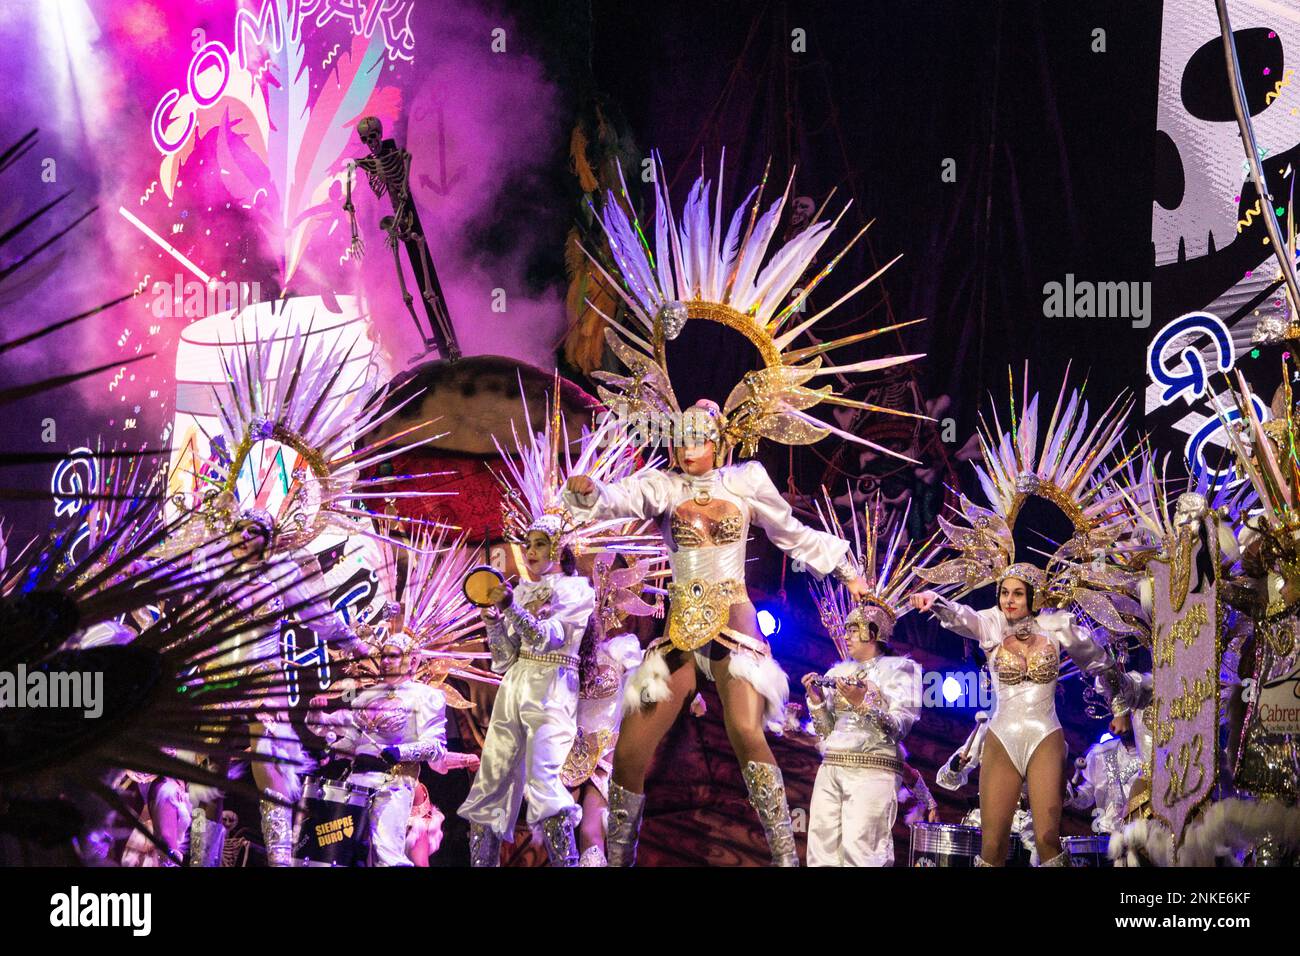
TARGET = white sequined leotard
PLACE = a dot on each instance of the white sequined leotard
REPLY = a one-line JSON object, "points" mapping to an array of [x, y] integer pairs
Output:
{"points": [[1024, 687]]}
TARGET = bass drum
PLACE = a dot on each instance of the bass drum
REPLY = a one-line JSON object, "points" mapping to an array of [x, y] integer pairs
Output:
{"points": [[335, 823]]}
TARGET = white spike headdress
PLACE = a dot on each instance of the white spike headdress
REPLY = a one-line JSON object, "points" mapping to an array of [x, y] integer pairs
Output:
{"points": [[698, 271], [431, 619], [535, 476], [293, 402], [1069, 465], [888, 562]]}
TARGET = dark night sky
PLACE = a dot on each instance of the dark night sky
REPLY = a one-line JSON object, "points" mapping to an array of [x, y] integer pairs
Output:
{"points": [[1053, 140]]}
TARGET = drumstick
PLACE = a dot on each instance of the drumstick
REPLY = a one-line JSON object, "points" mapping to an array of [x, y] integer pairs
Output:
{"points": [[981, 718]]}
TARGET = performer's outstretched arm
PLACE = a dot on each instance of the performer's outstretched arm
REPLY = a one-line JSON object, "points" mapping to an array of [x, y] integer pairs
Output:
{"points": [[821, 552], [645, 496]]}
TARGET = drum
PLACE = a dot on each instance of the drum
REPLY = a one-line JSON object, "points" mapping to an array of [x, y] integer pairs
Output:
{"points": [[1088, 850], [335, 823], [943, 844], [948, 844], [479, 581]]}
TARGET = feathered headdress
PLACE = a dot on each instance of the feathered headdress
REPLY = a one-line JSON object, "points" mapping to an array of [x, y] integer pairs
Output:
{"points": [[536, 473], [1069, 465], [888, 563], [432, 619], [292, 441], [698, 271]]}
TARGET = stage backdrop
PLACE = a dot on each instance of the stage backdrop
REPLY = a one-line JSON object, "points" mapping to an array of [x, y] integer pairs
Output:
{"points": [[1215, 276]]}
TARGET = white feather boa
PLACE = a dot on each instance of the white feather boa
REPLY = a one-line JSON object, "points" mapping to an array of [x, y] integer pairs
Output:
{"points": [[649, 683], [764, 674], [1228, 829]]}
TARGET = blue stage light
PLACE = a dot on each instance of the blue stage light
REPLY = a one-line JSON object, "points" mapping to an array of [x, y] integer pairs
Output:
{"points": [[768, 623]]}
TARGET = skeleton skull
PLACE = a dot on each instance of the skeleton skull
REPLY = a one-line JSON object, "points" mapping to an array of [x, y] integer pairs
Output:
{"points": [[371, 132], [802, 211], [1200, 156]]}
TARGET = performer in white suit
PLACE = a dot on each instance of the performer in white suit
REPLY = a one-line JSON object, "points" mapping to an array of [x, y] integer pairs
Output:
{"points": [[868, 706], [535, 630], [389, 729], [864, 706]]}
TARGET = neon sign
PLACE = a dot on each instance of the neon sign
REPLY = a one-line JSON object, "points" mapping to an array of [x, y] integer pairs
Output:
{"points": [[211, 69], [1187, 379]]}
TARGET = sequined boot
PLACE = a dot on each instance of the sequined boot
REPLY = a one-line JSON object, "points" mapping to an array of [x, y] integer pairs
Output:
{"points": [[561, 844], [980, 861], [484, 846], [1061, 859], [625, 811], [767, 797], [207, 840], [593, 856], [277, 832]]}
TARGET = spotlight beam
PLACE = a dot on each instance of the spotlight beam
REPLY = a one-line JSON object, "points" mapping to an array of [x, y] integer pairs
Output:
{"points": [[164, 245]]}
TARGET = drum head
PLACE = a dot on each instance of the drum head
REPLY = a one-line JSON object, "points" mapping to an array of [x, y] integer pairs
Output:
{"points": [[479, 582]]}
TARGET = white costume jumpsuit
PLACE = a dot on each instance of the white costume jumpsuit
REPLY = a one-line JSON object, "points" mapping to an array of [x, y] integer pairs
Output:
{"points": [[855, 796], [407, 715], [535, 644], [1024, 691]]}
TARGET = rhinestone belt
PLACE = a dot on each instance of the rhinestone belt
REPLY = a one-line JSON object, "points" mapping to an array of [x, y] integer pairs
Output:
{"points": [[561, 660], [845, 758]]}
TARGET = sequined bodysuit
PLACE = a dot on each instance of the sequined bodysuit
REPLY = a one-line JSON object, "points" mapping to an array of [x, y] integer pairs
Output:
{"points": [[1024, 709]]}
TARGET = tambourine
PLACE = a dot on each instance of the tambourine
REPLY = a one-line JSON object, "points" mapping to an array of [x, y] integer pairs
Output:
{"points": [[479, 582]]}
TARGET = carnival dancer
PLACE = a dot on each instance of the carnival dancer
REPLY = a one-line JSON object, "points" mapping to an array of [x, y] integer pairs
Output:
{"points": [[284, 582], [398, 719], [864, 706], [869, 704], [281, 405], [1106, 775], [389, 728], [535, 631], [1024, 636], [706, 506]]}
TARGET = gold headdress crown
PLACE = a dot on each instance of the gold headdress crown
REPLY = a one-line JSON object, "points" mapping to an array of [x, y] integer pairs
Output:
{"points": [[1070, 467], [697, 271]]}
